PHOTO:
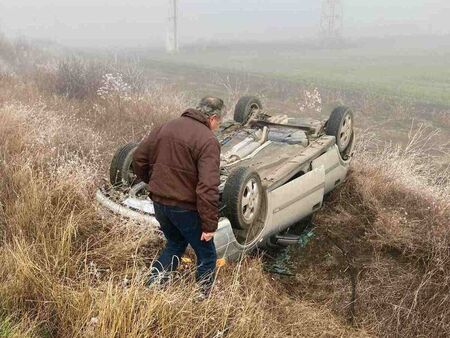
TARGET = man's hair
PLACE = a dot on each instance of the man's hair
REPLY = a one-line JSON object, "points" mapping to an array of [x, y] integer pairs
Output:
{"points": [[211, 105]]}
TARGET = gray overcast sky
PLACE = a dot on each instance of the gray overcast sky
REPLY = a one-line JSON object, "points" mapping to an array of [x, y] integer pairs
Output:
{"points": [[143, 22]]}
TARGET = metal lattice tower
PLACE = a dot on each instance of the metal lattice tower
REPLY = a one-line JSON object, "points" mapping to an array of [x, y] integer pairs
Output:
{"points": [[172, 31], [331, 22]]}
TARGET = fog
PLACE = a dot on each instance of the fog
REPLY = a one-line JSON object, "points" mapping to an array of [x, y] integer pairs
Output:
{"points": [[143, 22]]}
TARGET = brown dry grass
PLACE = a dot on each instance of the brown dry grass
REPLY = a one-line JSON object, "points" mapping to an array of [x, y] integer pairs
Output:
{"points": [[70, 270], [380, 262], [382, 253]]}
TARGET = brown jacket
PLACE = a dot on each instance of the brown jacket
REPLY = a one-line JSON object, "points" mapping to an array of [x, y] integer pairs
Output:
{"points": [[181, 162]]}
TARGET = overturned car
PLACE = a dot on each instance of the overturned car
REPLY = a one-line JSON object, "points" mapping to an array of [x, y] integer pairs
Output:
{"points": [[275, 171]]}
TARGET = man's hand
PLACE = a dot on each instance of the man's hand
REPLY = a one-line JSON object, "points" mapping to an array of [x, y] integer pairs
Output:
{"points": [[207, 236]]}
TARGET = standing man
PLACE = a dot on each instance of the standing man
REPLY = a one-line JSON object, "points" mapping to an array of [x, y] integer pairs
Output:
{"points": [[180, 161]]}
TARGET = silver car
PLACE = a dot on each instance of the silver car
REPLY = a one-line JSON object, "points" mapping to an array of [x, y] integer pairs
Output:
{"points": [[275, 171]]}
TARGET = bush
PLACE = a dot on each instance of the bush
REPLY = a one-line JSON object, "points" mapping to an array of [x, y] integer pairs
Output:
{"points": [[79, 79]]}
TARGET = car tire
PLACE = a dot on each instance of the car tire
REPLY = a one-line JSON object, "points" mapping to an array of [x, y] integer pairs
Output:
{"points": [[340, 125], [243, 198], [121, 170], [245, 108]]}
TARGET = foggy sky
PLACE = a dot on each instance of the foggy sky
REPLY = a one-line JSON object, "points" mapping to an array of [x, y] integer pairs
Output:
{"points": [[143, 22]]}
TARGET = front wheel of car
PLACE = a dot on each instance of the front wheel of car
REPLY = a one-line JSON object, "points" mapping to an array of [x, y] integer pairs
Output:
{"points": [[121, 169]]}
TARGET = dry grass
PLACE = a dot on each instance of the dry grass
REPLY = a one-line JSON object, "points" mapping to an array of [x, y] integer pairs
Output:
{"points": [[382, 256], [77, 273], [380, 262], [25, 328]]}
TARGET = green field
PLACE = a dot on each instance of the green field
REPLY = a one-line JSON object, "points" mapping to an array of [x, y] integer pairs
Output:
{"points": [[414, 73]]}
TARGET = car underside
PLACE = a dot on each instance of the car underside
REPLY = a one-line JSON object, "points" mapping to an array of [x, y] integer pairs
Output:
{"points": [[274, 173]]}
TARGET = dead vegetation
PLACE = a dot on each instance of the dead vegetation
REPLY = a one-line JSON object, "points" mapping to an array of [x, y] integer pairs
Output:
{"points": [[379, 265], [382, 256]]}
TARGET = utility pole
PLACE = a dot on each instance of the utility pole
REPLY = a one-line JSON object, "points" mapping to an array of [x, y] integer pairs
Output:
{"points": [[331, 22], [172, 32]]}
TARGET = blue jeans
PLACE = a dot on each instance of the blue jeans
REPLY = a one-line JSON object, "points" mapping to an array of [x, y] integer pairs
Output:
{"points": [[182, 227]]}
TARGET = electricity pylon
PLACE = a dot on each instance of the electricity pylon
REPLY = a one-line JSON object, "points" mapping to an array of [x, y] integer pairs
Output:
{"points": [[331, 22], [172, 31]]}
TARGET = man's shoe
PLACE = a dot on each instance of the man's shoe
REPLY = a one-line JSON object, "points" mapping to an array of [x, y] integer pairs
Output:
{"points": [[200, 297], [204, 292]]}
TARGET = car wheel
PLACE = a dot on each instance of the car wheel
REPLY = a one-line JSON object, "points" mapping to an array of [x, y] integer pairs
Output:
{"points": [[243, 198], [340, 125], [121, 169], [245, 107]]}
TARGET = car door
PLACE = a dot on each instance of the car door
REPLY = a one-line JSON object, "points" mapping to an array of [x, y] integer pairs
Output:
{"points": [[296, 199], [335, 168]]}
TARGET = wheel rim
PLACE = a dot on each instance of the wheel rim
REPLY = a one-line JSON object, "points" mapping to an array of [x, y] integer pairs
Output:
{"points": [[254, 106], [345, 133], [250, 200], [139, 189], [130, 176]]}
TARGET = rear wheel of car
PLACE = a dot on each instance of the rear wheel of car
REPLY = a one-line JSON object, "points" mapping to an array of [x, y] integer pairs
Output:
{"points": [[340, 125], [121, 169], [245, 108]]}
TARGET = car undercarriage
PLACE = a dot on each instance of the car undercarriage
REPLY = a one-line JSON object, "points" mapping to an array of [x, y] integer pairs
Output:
{"points": [[274, 173]]}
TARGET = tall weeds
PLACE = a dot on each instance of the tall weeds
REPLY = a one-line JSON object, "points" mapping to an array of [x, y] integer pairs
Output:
{"points": [[383, 253], [78, 272], [379, 264]]}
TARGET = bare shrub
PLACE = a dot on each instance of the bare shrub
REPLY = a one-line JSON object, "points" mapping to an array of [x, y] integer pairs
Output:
{"points": [[310, 100], [134, 75], [235, 88], [79, 79], [129, 117], [82, 78]]}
